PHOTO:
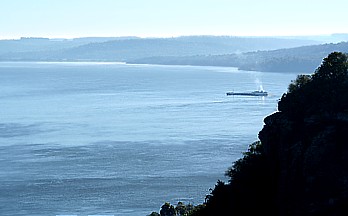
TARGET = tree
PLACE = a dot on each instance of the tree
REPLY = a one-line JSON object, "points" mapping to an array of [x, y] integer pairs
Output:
{"points": [[300, 81], [181, 209], [334, 68], [280, 174], [322, 93], [167, 210]]}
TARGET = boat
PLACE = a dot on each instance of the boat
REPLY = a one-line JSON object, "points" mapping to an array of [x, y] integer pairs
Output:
{"points": [[261, 93]]}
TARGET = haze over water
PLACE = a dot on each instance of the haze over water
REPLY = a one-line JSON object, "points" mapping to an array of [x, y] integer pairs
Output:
{"points": [[92, 138]]}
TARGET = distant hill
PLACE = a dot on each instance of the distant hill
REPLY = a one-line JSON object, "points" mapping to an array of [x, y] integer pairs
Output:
{"points": [[30, 44], [292, 54], [333, 38], [132, 48], [300, 60]]}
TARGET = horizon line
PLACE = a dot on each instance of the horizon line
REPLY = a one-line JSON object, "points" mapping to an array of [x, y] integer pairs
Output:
{"points": [[172, 36]]}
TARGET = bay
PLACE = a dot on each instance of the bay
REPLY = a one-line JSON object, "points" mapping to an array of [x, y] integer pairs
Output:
{"points": [[109, 138]]}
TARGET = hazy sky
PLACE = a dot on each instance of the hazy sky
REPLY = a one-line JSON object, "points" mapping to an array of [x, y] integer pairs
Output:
{"points": [[165, 18]]}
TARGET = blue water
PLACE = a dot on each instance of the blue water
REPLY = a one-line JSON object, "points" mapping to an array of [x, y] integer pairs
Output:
{"points": [[92, 138]]}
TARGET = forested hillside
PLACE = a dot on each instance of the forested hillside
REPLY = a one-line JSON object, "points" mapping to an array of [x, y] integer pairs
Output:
{"points": [[131, 48], [300, 60]]}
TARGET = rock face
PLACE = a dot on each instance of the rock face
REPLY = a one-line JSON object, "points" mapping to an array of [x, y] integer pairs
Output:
{"points": [[306, 143], [300, 165], [309, 161]]}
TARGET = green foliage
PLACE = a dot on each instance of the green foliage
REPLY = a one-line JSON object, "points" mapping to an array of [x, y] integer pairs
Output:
{"points": [[182, 209], [248, 176], [249, 190], [253, 187], [299, 83], [197, 210], [167, 210], [254, 153], [333, 69], [179, 210], [323, 93]]}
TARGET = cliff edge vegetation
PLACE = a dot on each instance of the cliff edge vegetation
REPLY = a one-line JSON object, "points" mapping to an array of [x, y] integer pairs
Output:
{"points": [[299, 165]]}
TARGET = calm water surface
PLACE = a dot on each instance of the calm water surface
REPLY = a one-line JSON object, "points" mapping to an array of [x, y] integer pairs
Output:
{"points": [[91, 138]]}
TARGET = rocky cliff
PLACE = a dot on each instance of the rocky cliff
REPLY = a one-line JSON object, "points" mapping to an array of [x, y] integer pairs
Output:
{"points": [[306, 143], [300, 164], [309, 161]]}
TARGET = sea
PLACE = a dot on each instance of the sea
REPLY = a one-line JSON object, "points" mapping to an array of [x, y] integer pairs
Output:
{"points": [[84, 138]]}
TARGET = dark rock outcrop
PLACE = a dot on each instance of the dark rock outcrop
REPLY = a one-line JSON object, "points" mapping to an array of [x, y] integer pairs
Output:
{"points": [[307, 145], [309, 162], [300, 165]]}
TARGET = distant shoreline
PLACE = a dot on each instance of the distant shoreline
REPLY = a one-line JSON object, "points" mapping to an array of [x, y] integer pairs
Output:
{"points": [[233, 69], [120, 63]]}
